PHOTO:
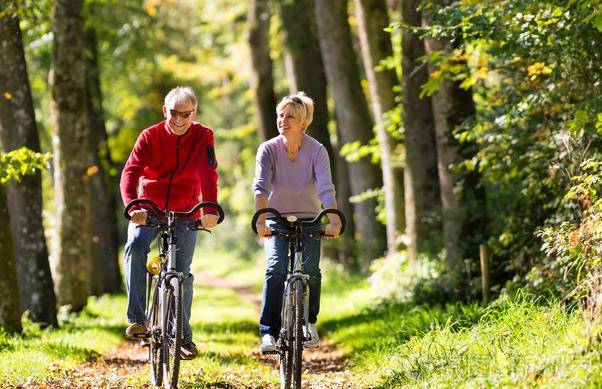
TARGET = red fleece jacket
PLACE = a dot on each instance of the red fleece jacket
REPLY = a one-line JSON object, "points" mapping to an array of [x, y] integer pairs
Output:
{"points": [[172, 170]]}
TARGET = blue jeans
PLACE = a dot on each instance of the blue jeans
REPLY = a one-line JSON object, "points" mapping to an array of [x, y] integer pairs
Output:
{"points": [[277, 253], [136, 251]]}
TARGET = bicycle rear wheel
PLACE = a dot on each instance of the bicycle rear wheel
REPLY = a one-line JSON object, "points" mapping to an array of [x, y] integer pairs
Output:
{"points": [[172, 333], [155, 348], [286, 345], [297, 333]]}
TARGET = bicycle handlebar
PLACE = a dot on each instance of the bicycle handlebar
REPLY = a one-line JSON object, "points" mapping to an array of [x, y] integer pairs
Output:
{"points": [[285, 222], [163, 213]]}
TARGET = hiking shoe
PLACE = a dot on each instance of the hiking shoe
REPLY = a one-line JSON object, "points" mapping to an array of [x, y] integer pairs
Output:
{"points": [[312, 339], [189, 351], [268, 344], [136, 331]]}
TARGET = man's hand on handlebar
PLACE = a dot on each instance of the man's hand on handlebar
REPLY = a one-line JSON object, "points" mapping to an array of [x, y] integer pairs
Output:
{"points": [[139, 217], [209, 221]]}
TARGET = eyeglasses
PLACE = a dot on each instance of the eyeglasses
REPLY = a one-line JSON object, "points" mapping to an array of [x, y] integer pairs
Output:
{"points": [[183, 115]]}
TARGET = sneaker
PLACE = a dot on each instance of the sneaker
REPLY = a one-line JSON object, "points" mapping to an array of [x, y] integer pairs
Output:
{"points": [[189, 351], [136, 331], [268, 344], [313, 339]]}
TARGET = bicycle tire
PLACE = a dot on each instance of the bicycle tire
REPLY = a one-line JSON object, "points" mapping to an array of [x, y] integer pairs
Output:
{"points": [[286, 345], [172, 333], [155, 348], [297, 334]]}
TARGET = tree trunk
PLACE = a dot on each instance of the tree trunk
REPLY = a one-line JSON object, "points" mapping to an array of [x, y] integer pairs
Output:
{"points": [[421, 180], [18, 129], [71, 153], [451, 106], [307, 74], [353, 119], [105, 276], [376, 45], [10, 316], [262, 82]]}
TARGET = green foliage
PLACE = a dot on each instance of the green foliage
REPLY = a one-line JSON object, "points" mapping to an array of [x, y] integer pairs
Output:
{"points": [[20, 162], [533, 68], [426, 281]]}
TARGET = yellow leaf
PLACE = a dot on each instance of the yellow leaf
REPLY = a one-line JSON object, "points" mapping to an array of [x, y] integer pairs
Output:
{"points": [[92, 170], [8, 96]]}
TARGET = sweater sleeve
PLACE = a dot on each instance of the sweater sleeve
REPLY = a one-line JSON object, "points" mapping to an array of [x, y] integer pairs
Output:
{"points": [[134, 169], [209, 176], [264, 170], [324, 185]]}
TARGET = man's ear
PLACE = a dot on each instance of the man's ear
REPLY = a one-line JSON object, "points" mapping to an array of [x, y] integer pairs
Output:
{"points": [[165, 112]]}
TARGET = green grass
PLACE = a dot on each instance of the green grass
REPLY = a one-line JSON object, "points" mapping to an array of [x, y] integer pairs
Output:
{"points": [[38, 352], [515, 342]]}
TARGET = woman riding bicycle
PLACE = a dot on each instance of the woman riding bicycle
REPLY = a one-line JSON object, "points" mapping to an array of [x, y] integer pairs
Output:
{"points": [[173, 164], [293, 176]]}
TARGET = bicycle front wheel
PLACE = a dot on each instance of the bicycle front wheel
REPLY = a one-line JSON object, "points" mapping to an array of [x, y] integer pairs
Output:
{"points": [[155, 346], [285, 342], [172, 332], [297, 333]]}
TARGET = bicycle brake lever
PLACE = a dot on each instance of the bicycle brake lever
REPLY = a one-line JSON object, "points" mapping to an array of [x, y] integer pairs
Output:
{"points": [[195, 228]]}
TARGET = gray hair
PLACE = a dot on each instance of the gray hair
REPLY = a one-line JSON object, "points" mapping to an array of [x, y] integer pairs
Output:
{"points": [[180, 94]]}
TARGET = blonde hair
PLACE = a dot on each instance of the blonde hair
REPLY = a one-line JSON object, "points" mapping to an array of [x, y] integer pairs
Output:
{"points": [[180, 94], [302, 105]]}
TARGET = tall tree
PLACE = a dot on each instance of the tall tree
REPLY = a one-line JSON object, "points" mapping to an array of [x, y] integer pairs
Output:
{"points": [[10, 316], [262, 81], [353, 118], [105, 276], [451, 106], [307, 74], [71, 152], [420, 175], [18, 129], [375, 44]]}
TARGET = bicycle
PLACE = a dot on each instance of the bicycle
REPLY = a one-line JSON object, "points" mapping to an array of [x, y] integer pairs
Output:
{"points": [[295, 306], [165, 285]]}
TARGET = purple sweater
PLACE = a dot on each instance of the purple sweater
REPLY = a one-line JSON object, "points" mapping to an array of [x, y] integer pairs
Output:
{"points": [[294, 187]]}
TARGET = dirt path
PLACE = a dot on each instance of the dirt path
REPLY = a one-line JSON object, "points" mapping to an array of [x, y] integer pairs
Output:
{"points": [[324, 367], [117, 368], [126, 366]]}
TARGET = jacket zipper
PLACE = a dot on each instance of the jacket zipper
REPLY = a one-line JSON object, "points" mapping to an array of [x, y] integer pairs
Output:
{"points": [[173, 172]]}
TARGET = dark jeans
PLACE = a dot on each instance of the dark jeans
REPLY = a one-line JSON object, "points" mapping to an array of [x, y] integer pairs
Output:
{"points": [[276, 251], [136, 251]]}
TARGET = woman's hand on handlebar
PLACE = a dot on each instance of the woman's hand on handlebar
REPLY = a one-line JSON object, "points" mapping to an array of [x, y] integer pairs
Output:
{"points": [[139, 217], [262, 230], [333, 228], [209, 220]]}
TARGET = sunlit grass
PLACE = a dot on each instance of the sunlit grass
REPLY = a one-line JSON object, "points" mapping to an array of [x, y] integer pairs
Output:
{"points": [[514, 342], [39, 352]]}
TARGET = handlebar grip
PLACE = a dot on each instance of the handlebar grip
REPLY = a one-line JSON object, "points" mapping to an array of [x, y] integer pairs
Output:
{"points": [[154, 209], [336, 212], [261, 212]]}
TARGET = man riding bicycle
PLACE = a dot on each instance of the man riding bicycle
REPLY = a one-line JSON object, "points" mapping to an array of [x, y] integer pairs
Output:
{"points": [[173, 164]]}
